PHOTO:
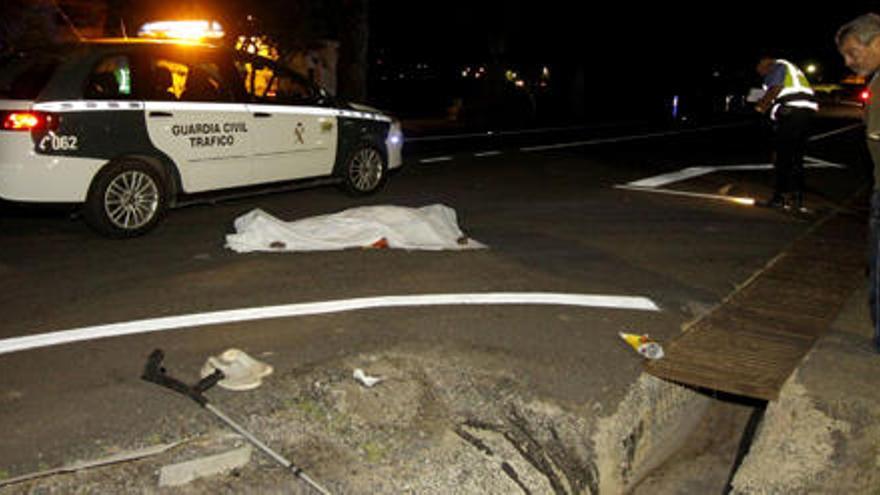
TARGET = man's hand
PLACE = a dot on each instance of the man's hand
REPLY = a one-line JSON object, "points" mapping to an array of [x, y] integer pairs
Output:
{"points": [[766, 102]]}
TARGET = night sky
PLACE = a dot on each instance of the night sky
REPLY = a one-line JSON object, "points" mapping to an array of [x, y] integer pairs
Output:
{"points": [[602, 52], [663, 39]]}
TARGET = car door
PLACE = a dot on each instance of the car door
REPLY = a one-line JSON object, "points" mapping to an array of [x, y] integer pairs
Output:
{"points": [[194, 117], [294, 136]]}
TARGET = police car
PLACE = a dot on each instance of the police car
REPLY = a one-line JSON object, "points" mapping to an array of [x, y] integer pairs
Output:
{"points": [[128, 128]]}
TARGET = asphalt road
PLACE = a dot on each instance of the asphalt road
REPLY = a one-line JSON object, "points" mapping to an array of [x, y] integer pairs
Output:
{"points": [[553, 219]]}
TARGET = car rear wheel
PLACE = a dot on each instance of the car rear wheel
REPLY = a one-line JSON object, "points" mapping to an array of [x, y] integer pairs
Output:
{"points": [[127, 199], [365, 171]]}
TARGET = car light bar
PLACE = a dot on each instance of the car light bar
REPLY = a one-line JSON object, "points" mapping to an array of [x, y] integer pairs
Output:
{"points": [[193, 30]]}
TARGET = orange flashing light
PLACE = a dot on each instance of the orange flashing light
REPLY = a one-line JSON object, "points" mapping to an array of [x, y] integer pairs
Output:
{"points": [[192, 31]]}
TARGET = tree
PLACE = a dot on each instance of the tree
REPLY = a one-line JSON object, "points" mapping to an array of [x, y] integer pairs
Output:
{"points": [[26, 24], [354, 41], [289, 25]]}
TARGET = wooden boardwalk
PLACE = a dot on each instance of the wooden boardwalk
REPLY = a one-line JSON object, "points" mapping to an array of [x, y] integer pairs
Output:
{"points": [[753, 341]]}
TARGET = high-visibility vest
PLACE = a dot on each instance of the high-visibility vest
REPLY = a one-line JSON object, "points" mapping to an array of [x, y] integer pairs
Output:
{"points": [[796, 91]]}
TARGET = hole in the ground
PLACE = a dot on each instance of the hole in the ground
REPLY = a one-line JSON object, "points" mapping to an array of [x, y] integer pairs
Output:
{"points": [[708, 458]]}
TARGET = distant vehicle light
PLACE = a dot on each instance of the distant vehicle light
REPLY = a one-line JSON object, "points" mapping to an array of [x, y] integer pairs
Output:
{"points": [[21, 121], [182, 30]]}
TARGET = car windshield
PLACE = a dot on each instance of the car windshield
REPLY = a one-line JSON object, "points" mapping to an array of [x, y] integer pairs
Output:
{"points": [[23, 76]]}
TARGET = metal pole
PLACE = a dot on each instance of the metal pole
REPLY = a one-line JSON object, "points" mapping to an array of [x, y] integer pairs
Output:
{"points": [[265, 448]]}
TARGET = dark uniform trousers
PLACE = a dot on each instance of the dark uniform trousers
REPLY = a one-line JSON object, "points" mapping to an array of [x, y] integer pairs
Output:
{"points": [[792, 125]]}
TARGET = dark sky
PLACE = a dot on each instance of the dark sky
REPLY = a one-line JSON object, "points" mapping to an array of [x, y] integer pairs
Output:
{"points": [[661, 39]]}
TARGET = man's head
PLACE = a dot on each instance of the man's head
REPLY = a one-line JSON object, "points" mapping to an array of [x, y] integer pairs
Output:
{"points": [[859, 43], [765, 65]]}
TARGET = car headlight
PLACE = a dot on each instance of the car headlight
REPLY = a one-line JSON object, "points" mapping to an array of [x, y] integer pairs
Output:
{"points": [[395, 133]]}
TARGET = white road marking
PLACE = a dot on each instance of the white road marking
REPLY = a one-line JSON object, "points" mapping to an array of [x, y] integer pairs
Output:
{"points": [[662, 180], [691, 172], [443, 137], [487, 153], [436, 159], [620, 139], [689, 194], [26, 342], [811, 162], [835, 132]]}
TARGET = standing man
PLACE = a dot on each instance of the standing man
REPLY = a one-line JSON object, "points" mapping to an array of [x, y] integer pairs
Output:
{"points": [[859, 43], [790, 104]]}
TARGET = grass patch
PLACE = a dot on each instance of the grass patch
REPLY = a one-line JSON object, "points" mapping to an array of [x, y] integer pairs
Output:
{"points": [[374, 452]]}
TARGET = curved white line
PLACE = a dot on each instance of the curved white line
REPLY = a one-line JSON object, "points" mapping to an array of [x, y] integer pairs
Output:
{"points": [[303, 309]]}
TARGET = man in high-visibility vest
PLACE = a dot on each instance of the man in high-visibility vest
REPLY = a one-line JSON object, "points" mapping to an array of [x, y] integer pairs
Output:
{"points": [[790, 104], [859, 43]]}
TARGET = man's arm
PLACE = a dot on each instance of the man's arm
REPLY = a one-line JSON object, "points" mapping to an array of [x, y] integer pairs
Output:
{"points": [[872, 115], [766, 102]]}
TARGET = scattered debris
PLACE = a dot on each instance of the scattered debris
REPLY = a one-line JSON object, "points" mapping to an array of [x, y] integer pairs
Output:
{"points": [[104, 461], [643, 344], [366, 380], [154, 372], [380, 244], [185, 472], [240, 371]]}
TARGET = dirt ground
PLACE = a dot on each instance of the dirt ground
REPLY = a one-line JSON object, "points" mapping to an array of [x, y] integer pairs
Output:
{"points": [[436, 421]]}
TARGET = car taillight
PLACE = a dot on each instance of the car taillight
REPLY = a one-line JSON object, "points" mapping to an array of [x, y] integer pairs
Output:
{"points": [[22, 121], [865, 95]]}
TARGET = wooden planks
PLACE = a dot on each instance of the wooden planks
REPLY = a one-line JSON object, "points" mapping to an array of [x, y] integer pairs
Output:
{"points": [[751, 343]]}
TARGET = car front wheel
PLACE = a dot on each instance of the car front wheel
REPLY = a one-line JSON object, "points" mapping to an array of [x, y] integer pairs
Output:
{"points": [[126, 199], [364, 171]]}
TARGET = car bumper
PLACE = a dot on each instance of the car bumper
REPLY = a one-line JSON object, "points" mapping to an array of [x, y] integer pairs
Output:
{"points": [[394, 146], [28, 176]]}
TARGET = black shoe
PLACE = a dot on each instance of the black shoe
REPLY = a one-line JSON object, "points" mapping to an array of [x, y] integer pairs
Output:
{"points": [[796, 203], [776, 201]]}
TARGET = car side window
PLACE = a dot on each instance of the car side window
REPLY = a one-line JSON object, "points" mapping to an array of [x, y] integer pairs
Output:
{"points": [[176, 80], [266, 83], [110, 79]]}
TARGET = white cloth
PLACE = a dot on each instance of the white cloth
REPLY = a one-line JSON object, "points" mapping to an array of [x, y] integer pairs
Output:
{"points": [[433, 227]]}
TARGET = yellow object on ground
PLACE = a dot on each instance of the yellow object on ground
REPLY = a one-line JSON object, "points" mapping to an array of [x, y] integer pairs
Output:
{"points": [[643, 344]]}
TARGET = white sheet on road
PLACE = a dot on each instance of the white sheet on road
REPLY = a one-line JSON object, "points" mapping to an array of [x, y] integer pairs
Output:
{"points": [[433, 227]]}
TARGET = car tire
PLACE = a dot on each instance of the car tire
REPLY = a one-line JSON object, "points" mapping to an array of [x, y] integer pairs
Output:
{"points": [[365, 171], [126, 199]]}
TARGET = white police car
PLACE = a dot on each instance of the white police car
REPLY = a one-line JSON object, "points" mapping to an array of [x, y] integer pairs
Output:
{"points": [[129, 128]]}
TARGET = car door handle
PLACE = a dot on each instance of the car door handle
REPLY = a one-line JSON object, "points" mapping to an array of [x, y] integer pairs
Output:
{"points": [[262, 115], [161, 114]]}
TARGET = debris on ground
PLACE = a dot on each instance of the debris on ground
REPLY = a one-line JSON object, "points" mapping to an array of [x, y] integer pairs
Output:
{"points": [[185, 472], [240, 371], [365, 379], [643, 344]]}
